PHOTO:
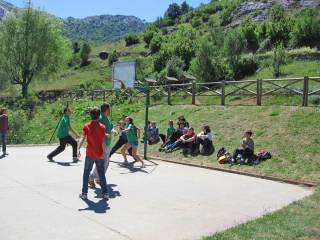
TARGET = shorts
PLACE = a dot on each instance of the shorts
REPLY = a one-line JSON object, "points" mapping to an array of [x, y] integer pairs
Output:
{"points": [[134, 144]]}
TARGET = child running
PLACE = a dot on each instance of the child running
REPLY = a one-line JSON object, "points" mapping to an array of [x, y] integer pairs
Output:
{"points": [[95, 133], [65, 138], [132, 137]]}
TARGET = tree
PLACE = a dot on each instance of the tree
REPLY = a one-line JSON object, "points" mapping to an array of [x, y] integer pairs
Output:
{"points": [[175, 67], [185, 7], [131, 39], [234, 45], [85, 53], [208, 65], [173, 12], [75, 47], [279, 58], [31, 43], [248, 28], [113, 57], [306, 29]]}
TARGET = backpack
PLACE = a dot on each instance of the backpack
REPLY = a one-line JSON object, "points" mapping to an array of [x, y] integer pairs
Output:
{"points": [[264, 155], [224, 156]]}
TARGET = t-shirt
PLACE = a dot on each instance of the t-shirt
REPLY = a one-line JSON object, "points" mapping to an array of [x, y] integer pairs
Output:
{"points": [[204, 136], [131, 134], [170, 131], [189, 135], [154, 133], [107, 122], [95, 133], [4, 126], [248, 143], [63, 130]]}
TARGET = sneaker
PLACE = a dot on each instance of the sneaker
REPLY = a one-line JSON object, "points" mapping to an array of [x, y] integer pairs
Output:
{"points": [[92, 184], [50, 159], [106, 196], [143, 165], [83, 196], [75, 160]]}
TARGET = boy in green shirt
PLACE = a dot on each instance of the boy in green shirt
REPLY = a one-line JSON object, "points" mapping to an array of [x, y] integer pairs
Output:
{"points": [[105, 119], [65, 138]]}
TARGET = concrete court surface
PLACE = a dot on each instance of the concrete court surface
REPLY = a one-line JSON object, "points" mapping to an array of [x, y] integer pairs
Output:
{"points": [[39, 200]]}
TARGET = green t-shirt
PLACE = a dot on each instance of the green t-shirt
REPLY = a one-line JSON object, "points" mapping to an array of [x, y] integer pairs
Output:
{"points": [[63, 130], [170, 131], [107, 122], [131, 134]]}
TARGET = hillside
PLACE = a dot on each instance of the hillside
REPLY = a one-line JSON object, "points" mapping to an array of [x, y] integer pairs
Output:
{"points": [[5, 7], [102, 28]]}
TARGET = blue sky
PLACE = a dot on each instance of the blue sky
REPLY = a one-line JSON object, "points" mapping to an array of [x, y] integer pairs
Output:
{"points": [[144, 9]]}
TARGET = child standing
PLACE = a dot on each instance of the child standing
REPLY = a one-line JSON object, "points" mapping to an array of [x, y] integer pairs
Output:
{"points": [[95, 133], [4, 127]]}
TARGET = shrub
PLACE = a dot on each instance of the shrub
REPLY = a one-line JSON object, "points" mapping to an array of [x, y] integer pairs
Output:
{"points": [[85, 54], [175, 67], [234, 45], [279, 58], [247, 66], [18, 121], [248, 29], [131, 39], [113, 57], [160, 59], [306, 30], [156, 42], [208, 65]]}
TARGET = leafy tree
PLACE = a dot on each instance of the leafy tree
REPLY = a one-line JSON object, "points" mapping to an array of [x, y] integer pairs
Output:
{"points": [[75, 47], [173, 11], [279, 27], [114, 57], [208, 65], [156, 43], [279, 58], [131, 39], [234, 46], [160, 59], [175, 67], [185, 7], [248, 28], [85, 53], [306, 29], [183, 43], [31, 43]]}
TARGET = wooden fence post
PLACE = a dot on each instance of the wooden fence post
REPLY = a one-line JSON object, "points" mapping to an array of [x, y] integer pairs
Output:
{"points": [[223, 93], [259, 91], [169, 95], [104, 95], [194, 92], [305, 95], [92, 95]]}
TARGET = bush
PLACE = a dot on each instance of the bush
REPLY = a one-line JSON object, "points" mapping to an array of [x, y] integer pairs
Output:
{"points": [[156, 42], [85, 54], [306, 29], [208, 65], [175, 67], [234, 45], [18, 121], [160, 59], [279, 58], [247, 66], [113, 57], [131, 39], [248, 29]]}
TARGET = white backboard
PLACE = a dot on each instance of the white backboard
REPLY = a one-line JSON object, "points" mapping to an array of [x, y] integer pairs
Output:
{"points": [[123, 72]]}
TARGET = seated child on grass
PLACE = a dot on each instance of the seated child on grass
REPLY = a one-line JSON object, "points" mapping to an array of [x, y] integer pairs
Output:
{"points": [[170, 132], [204, 139], [247, 148], [186, 141], [153, 133]]}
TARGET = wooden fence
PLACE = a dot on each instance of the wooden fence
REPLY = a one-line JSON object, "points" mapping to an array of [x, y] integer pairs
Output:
{"points": [[254, 91]]}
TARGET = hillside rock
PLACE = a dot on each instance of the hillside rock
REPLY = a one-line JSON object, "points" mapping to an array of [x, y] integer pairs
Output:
{"points": [[5, 7], [259, 10]]}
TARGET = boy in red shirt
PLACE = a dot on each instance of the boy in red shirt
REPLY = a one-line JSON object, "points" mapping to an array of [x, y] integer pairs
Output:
{"points": [[94, 132]]}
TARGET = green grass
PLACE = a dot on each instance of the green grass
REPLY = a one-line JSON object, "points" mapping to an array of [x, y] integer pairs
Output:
{"points": [[290, 133]]}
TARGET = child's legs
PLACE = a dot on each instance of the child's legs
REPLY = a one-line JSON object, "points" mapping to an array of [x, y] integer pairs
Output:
{"points": [[123, 151]]}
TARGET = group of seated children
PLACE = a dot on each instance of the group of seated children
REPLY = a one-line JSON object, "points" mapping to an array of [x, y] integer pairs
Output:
{"points": [[183, 136]]}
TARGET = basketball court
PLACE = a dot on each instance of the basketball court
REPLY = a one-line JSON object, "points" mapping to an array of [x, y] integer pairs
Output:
{"points": [[39, 200]]}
